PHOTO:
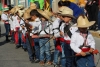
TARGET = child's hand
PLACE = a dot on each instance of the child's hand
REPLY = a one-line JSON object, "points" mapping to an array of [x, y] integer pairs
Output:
{"points": [[61, 33], [91, 50], [83, 53]]}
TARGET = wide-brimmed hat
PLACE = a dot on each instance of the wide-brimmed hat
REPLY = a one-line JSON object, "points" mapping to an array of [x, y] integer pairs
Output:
{"points": [[21, 12], [12, 11], [67, 12], [60, 9], [0, 12], [48, 12], [28, 10], [43, 14], [26, 16], [6, 8], [83, 22], [32, 6]]}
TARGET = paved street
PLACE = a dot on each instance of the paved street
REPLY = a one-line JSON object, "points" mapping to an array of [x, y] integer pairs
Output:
{"points": [[11, 57]]}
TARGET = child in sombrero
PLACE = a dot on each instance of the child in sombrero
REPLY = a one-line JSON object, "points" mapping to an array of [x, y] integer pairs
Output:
{"points": [[82, 41]]}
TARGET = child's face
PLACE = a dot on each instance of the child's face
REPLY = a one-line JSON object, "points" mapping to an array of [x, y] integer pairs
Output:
{"points": [[66, 19], [43, 19], [83, 30], [33, 18]]}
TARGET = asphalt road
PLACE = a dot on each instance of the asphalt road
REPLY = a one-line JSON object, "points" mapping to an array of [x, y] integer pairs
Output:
{"points": [[11, 57]]}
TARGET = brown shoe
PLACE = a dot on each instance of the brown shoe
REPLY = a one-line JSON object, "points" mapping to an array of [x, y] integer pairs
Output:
{"points": [[49, 63], [41, 62]]}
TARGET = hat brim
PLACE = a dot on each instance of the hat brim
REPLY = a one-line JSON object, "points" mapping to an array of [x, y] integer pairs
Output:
{"points": [[43, 14], [67, 15], [86, 25], [6, 10]]}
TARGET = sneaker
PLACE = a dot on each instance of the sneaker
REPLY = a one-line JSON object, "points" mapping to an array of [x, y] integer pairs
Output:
{"points": [[18, 46], [36, 60], [41, 62], [32, 61], [49, 63]]}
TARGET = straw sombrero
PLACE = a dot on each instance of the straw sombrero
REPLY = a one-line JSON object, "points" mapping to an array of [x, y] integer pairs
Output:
{"points": [[84, 22], [48, 12], [26, 16], [67, 12], [12, 11], [43, 14], [21, 6], [28, 10], [21, 12], [32, 6], [61, 9]]}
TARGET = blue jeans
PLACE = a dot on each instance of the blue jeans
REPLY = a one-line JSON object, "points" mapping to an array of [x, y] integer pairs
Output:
{"points": [[44, 48], [68, 52], [99, 20], [63, 58], [7, 27], [12, 36], [20, 38], [87, 61], [57, 53], [37, 48], [30, 53]]}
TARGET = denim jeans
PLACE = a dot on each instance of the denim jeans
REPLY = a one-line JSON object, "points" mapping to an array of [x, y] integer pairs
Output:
{"points": [[12, 36], [99, 20], [37, 48], [30, 53], [7, 27], [44, 48], [87, 61], [68, 52], [63, 58]]}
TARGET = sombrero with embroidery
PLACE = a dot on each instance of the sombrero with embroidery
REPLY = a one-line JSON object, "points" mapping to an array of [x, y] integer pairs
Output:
{"points": [[67, 12], [43, 14], [6, 8], [83, 22]]}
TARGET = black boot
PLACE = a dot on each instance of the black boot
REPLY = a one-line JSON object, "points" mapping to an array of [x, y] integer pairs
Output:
{"points": [[7, 40]]}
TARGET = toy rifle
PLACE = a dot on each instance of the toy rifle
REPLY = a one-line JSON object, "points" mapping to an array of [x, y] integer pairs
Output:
{"points": [[28, 26]]}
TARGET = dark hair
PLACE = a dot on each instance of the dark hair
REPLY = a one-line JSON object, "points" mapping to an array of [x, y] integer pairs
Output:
{"points": [[34, 12], [67, 3], [64, 3], [60, 3]]}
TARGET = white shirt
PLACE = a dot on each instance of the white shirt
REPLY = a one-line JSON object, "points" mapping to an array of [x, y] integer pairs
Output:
{"points": [[21, 23], [16, 22], [48, 28], [77, 40], [11, 23], [35, 25], [4, 17], [55, 25]]}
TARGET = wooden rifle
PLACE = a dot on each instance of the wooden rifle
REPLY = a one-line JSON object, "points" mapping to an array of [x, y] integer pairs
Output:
{"points": [[28, 26]]}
